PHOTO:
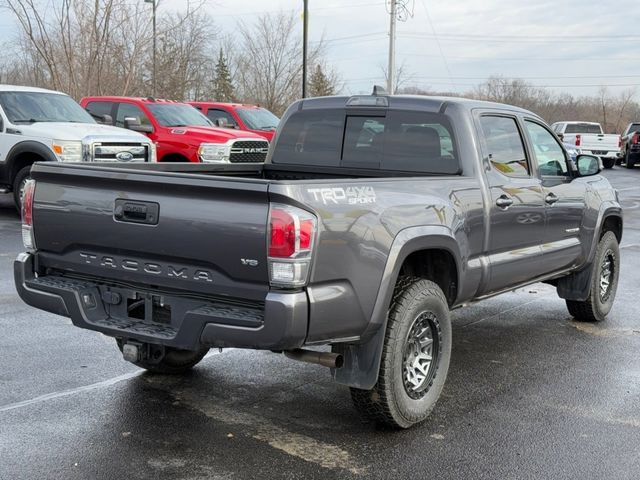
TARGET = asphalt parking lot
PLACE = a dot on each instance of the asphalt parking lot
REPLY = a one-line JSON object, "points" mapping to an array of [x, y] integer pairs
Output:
{"points": [[530, 394]]}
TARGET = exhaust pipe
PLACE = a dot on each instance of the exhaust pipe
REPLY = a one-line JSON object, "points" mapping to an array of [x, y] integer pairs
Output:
{"points": [[326, 359]]}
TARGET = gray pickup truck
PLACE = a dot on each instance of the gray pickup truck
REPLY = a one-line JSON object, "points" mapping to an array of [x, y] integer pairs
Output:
{"points": [[372, 218]]}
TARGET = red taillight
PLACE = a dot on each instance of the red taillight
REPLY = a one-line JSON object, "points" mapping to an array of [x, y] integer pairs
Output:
{"points": [[291, 236], [27, 215], [578, 140], [283, 234], [634, 139], [291, 231], [27, 203]]}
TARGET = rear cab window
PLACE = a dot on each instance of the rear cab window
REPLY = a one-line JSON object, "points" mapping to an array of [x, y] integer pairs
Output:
{"points": [[585, 128], [389, 140]]}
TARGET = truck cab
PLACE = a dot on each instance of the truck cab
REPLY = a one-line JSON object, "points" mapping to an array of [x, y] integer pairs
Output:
{"points": [[181, 133], [248, 118]]}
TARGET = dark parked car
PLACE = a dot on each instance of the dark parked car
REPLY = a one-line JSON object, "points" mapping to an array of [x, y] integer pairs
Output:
{"points": [[631, 145]]}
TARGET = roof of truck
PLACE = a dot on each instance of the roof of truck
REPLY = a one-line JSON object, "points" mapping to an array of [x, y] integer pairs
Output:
{"points": [[224, 104], [423, 102], [145, 100], [20, 88]]}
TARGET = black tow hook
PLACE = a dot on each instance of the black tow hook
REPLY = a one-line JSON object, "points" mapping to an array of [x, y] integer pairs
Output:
{"points": [[326, 359]]}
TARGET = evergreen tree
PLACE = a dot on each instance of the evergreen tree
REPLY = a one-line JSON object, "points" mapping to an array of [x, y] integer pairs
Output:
{"points": [[223, 90], [320, 84]]}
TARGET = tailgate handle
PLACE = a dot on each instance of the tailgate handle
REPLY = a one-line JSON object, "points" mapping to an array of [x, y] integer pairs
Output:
{"points": [[133, 211]]}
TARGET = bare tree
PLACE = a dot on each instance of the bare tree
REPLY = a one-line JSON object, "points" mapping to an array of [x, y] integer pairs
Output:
{"points": [[402, 76], [269, 66]]}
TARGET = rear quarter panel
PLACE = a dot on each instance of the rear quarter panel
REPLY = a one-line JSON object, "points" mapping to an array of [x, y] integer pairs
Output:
{"points": [[358, 223]]}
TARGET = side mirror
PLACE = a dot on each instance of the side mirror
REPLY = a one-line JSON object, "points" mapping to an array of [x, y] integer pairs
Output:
{"points": [[133, 123], [587, 165], [561, 137], [221, 122], [106, 119]]}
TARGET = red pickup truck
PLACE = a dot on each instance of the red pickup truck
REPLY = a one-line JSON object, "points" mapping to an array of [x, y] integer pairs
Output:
{"points": [[250, 118], [180, 132]]}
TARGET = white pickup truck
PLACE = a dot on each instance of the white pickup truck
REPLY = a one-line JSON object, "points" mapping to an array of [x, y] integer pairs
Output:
{"points": [[39, 125], [589, 139]]}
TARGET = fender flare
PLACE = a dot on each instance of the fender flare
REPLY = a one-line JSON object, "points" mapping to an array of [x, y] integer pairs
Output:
{"points": [[577, 286], [27, 146], [362, 360]]}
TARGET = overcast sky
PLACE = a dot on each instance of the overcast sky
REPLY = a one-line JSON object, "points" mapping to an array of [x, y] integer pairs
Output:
{"points": [[568, 45], [562, 43]]}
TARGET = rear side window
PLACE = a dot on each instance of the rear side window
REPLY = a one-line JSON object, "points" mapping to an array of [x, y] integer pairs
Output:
{"points": [[586, 128], [504, 145], [388, 140], [99, 109]]}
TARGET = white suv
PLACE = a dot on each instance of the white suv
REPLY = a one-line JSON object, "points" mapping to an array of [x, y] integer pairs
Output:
{"points": [[42, 125]]}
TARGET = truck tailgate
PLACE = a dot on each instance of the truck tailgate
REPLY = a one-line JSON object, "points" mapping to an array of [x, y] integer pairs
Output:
{"points": [[194, 233], [604, 143]]}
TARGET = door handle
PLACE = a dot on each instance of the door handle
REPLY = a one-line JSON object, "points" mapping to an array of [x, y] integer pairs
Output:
{"points": [[550, 199], [504, 202]]}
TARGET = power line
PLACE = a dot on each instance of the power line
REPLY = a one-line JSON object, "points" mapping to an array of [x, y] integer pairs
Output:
{"points": [[444, 59], [362, 80], [452, 38], [337, 7]]}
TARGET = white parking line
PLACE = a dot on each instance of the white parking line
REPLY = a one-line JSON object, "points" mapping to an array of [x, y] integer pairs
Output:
{"points": [[86, 388], [72, 391]]}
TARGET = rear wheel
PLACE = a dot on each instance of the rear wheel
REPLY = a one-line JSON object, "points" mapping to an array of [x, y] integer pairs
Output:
{"points": [[415, 357], [608, 162], [630, 163], [174, 362], [604, 283], [19, 183]]}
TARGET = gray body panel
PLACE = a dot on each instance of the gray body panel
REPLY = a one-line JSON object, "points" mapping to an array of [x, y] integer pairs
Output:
{"points": [[212, 218]]}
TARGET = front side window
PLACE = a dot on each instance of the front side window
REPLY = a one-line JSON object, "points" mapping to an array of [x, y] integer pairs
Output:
{"points": [[505, 147], [99, 109], [258, 118], [127, 110], [178, 115], [33, 107], [215, 113], [548, 152]]}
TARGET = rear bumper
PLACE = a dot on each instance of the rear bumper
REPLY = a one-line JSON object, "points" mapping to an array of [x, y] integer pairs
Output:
{"points": [[280, 324]]}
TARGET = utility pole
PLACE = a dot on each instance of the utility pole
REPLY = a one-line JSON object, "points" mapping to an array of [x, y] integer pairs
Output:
{"points": [[391, 72], [153, 3], [305, 27]]}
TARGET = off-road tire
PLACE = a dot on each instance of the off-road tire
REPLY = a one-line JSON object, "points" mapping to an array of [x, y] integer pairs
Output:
{"points": [[389, 403], [175, 361], [628, 162], [595, 308], [20, 177]]}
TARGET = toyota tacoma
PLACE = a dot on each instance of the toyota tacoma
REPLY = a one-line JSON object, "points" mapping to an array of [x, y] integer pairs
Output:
{"points": [[373, 217]]}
